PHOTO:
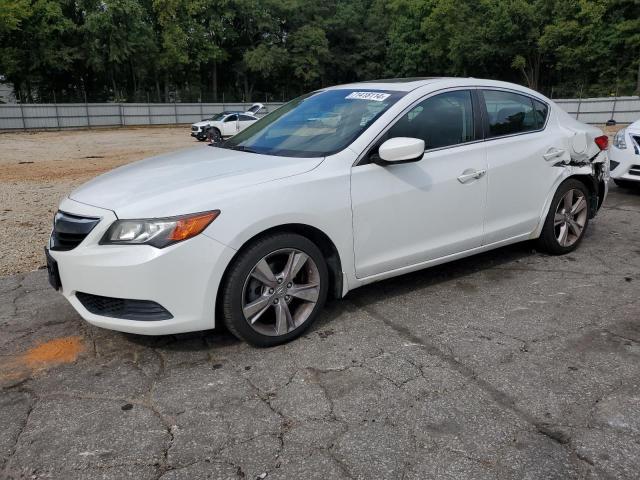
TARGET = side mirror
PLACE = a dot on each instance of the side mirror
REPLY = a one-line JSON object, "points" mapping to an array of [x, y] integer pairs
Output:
{"points": [[401, 150]]}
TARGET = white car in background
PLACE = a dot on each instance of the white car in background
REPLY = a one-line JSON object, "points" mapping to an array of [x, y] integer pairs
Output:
{"points": [[624, 156], [225, 124], [336, 189]]}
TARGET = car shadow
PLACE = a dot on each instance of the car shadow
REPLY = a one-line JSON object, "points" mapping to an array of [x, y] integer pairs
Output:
{"points": [[457, 269], [390, 288], [632, 190]]}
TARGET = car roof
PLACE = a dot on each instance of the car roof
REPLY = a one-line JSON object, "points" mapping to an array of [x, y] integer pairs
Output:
{"points": [[393, 84], [413, 83]]}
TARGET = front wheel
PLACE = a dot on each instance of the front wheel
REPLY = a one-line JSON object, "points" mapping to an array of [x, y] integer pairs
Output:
{"points": [[275, 289], [215, 136], [567, 219]]}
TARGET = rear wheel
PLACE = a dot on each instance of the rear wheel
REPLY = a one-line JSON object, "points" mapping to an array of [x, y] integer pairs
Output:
{"points": [[567, 219], [275, 290]]}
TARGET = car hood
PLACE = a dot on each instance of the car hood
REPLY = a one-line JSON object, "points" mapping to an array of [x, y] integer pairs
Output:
{"points": [[203, 123], [186, 181]]}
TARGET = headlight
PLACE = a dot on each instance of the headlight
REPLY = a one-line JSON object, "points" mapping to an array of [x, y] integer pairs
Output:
{"points": [[158, 232], [618, 139]]}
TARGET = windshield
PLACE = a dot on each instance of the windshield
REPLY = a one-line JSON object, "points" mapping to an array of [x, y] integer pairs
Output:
{"points": [[315, 125]]}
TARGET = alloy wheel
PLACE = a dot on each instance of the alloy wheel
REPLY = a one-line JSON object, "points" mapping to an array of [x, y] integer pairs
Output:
{"points": [[281, 292], [570, 217]]}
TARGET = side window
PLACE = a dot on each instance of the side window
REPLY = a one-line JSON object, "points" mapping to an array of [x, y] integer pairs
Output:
{"points": [[509, 113], [541, 112], [441, 120], [231, 118], [246, 118]]}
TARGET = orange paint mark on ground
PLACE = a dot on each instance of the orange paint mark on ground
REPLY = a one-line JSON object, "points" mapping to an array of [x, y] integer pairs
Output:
{"points": [[58, 350], [41, 357]]}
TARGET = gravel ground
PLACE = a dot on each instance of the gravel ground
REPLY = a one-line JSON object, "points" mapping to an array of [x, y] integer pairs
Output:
{"points": [[38, 169], [509, 365]]}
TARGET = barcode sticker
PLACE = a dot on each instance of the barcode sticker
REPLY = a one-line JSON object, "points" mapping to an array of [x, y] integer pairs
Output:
{"points": [[374, 96]]}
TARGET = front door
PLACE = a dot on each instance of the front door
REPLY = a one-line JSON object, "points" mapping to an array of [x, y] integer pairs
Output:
{"points": [[406, 214]]}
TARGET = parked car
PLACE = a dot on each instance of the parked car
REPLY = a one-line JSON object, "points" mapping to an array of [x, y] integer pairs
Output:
{"points": [[225, 124], [334, 190], [625, 156]]}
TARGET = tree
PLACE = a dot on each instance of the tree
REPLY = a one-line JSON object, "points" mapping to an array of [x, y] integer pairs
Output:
{"points": [[118, 35], [12, 13], [124, 49], [39, 50], [309, 49]]}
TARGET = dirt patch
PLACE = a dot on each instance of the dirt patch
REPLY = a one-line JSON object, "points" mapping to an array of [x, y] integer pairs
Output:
{"points": [[38, 169]]}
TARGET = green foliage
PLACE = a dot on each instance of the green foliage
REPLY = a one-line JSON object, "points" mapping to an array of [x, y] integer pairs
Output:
{"points": [[309, 52], [12, 13], [249, 49]]}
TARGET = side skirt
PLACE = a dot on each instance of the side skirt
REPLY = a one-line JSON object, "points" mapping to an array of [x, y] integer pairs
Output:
{"points": [[359, 282]]}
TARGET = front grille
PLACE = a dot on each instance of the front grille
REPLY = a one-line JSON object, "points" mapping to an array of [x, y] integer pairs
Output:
{"points": [[636, 147], [124, 308], [70, 230], [634, 170]]}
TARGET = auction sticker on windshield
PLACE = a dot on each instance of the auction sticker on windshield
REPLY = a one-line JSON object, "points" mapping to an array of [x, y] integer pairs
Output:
{"points": [[375, 96]]}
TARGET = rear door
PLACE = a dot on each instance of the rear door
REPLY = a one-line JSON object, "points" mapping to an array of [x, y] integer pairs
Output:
{"points": [[245, 121], [522, 149]]}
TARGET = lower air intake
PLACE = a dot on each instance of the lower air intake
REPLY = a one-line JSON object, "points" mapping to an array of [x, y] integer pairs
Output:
{"points": [[124, 308]]}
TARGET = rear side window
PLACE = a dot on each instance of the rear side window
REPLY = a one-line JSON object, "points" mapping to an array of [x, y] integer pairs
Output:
{"points": [[246, 118], [510, 113], [441, 121], [542, 110]]}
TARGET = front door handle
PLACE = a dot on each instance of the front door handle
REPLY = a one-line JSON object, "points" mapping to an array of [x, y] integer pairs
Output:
{"points": [[471, 174], [553, 153]]}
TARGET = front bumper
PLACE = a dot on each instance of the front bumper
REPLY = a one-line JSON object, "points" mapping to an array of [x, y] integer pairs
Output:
{"points": [[183, 278], [198, 134], [627, 163]]}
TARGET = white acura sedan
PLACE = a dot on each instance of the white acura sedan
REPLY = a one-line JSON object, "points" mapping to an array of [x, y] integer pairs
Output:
{"points": [[336, 189]]}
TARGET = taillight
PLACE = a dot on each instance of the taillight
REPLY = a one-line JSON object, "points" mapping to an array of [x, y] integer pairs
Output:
{"points": [[602, 142]]}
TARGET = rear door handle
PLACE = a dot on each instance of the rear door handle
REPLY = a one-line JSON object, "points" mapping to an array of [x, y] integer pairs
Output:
{"points": [[471, 174], [553, 153]]}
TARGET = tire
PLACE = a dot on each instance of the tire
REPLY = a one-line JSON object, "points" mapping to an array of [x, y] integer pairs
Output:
{"points": [[215, 135], [553, 232], [201, 139], [267, 310]]}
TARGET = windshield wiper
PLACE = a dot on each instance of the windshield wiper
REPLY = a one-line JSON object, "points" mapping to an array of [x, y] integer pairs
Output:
{"points": [[241, 148]]}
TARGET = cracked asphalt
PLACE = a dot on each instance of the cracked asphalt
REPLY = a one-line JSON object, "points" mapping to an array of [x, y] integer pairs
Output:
{"points": [[507, 365]]}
